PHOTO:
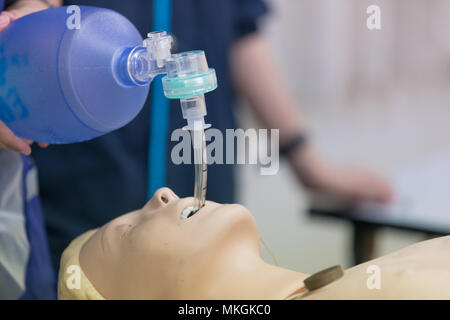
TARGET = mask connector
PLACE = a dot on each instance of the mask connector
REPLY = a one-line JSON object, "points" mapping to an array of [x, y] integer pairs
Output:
{"points": [[147, 61]]}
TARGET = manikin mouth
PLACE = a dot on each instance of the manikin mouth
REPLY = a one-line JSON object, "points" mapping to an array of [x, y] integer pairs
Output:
{"points": [[189, 212]]}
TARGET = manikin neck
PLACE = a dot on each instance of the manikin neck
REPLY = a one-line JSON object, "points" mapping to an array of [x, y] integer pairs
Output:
{"points": [[251, 278]]}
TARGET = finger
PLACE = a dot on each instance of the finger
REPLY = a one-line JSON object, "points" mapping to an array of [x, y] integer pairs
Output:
{"points": [[27, 141], [40, 144], [16, 144], [4, 21], [9, 140], [11, 15], [385, 192], [388, 195], [380, 192]]}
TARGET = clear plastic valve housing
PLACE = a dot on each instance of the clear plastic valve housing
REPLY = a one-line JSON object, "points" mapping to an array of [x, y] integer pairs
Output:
{"points": [[147, 61], [158, 45]]}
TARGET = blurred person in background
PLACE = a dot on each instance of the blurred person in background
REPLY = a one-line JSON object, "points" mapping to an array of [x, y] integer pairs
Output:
{"points": [[87, 184], [377, 98]]}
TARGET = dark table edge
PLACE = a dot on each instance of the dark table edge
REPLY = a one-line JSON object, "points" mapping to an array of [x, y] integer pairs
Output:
{"points": [[352, 217]]}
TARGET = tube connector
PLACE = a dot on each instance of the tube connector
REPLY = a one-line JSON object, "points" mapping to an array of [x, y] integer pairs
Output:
{"points": [[188, 79], [194, 111]]}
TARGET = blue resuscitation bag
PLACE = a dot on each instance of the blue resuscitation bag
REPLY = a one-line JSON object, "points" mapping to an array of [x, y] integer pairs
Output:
{"points": [[63, 82], [25, 267]]}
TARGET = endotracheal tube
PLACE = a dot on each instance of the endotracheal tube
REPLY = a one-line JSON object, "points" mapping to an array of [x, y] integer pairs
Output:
{"points": [[188, 79]]}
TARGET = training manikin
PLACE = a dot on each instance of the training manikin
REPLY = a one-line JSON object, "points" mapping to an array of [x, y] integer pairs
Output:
{"points": [[153, 253]]}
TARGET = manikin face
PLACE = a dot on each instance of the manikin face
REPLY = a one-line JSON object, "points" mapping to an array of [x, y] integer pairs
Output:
{"points": [[154, 254]]}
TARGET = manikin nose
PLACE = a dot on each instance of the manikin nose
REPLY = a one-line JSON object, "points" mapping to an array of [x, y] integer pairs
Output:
{"points": [[163, 196]]}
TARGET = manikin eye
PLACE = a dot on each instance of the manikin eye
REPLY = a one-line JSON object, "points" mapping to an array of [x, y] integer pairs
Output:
{"points": [[189, 212]]}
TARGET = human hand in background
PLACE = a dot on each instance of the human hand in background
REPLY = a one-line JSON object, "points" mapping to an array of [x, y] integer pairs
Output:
{"points": [[253, 68], [346, 183]]}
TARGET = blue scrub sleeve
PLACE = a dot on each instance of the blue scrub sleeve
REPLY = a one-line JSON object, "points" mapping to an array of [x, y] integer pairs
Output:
{"points": [[247, 15]]}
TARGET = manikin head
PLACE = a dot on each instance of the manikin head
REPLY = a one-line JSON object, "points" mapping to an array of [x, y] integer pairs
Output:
{"points": [[154, 254]]}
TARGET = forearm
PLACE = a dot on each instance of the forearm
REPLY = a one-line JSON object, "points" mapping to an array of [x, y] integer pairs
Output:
{"points": [[257, 79], [256, 76], [21, 8]]}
